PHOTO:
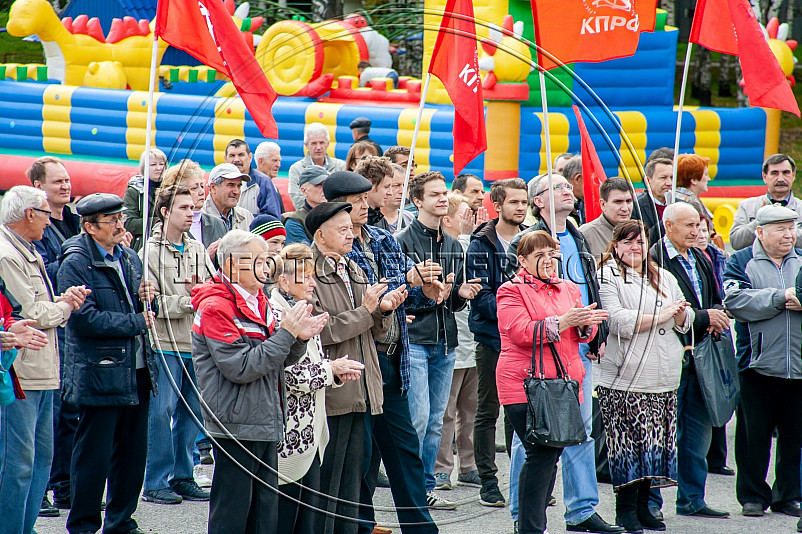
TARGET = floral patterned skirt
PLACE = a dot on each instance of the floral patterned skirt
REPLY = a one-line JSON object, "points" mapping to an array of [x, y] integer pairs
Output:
{"points": [[641, 436]]}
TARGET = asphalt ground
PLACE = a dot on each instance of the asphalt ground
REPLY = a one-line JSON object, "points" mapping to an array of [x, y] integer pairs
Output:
{"points": [[470, 516]]}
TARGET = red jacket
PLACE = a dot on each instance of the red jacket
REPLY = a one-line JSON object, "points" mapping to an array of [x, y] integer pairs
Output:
{"points": [[521, 302]]}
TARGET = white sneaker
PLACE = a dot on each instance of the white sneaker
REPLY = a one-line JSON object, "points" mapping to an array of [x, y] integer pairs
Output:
{"points": [[436, 502], [201, 478]]}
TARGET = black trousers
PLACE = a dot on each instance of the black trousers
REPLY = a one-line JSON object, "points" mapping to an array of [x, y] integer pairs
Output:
{"points": [[65, 423], [244, 497], [487, 410], [110, 442], [341, 474], [600, 441], [717, 454], [298, 502], [391, 436], [768, 402], [536, 481]]}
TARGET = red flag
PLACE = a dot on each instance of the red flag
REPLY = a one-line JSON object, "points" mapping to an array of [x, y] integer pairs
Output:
{"points": [[205, 30], [455, 61], [592, 171], [764, 81], [590, 30]]}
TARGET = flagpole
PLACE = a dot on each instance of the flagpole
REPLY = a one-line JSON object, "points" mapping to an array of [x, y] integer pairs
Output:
{"points": [[547, 141], [412, 149], [148, 132], [679, 120]]}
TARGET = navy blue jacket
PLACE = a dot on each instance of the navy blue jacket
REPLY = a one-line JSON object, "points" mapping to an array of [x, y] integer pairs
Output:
{"points": [[50, 245], [488, 261], [103, 335], [269, 199]]}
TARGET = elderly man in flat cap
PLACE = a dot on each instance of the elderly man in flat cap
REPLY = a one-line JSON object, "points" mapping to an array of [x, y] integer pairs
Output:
{"points": [[359, 312], [110, 369], [763, 288], [360, 129]]}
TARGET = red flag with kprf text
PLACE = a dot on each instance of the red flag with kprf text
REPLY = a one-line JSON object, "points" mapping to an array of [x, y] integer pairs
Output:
{"points": [[455, 62], [592, 171], [205, 30], [589, 30]]}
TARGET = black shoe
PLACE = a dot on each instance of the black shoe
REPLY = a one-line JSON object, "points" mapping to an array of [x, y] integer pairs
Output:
{"points": [[489, 495], [791, 508], [657, 513], [205, 453], [382, 481], [136, 530], [62, 503], [644, 515], [753, 509], [594, 524], [47, 509], [798, 526], [706, 511], [726, 471], [162, 496], [190, 491]]}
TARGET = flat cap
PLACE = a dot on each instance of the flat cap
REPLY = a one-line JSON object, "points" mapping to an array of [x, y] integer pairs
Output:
{"points": [[313, 174], [344, 183], [99, 204], [322, 213], [775, 214], [360, 122], [226, 171], [267, 226]]}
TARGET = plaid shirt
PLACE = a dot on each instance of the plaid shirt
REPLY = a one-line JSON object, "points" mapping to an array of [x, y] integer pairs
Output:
{"points": [[689, 265], [393, 265]]}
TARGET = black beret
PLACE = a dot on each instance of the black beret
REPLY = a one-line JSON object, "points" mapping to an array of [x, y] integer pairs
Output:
{"points": [[322, 213], [99, 204], [344, 183], [360, 122]]}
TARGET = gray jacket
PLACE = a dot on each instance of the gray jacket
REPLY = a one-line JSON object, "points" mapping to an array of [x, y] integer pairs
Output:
{"points": [[768, 336], [742, 233], [332, 165]]}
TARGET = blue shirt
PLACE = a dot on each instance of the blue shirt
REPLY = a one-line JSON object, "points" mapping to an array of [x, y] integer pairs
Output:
{"points": [[572, 265], [689, 265], [179, 248]]}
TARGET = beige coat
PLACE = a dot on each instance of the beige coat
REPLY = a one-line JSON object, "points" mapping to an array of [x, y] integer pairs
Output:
{"points": [[349, 331], [167, 269], [241, 220], [23, 271]]}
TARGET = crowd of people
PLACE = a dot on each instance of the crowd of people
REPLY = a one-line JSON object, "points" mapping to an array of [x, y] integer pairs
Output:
{"points": [[360, 338]]}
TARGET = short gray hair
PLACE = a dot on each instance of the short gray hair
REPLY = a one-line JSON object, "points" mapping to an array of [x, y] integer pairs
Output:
{"points": [[143, 159], [265, 148], [316, 128], [572, 167], [672, 211], [17, 200], [398, 168], [234, 242]]}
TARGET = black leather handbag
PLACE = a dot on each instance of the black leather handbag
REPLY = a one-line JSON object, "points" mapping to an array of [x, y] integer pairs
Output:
{"points": [[553, 417]]}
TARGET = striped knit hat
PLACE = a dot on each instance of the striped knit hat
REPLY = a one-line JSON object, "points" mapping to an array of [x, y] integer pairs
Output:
{"points": [[267, 226]]}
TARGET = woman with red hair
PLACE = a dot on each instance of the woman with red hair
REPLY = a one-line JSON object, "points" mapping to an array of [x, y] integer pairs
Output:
{"points": [[692, 179]]}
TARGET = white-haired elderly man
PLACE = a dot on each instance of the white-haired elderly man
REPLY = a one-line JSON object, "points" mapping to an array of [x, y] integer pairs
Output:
{"points": [[316, 142], [26, 425], [239, 355], [259, 194]]}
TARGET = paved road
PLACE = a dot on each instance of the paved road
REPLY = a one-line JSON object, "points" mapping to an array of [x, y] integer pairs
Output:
{"points": [[190, 517]]}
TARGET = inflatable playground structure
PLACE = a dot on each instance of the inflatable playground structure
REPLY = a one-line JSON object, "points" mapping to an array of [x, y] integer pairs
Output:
{"points": [[88, 102]]}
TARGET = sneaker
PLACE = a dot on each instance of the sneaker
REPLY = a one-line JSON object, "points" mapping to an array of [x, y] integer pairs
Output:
{"points": [[382, 481], [471, 478], [442, 481], [47, 509], [162, 496], [189, 490], [201, 478], [205, 454], [436, 502], [489, 495]]}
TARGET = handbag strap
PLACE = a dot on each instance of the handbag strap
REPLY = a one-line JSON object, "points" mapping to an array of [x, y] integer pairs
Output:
{"points": [[537, 352]]}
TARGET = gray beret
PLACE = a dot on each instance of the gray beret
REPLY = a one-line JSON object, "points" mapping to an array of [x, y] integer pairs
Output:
{"points": [[360, 122]]}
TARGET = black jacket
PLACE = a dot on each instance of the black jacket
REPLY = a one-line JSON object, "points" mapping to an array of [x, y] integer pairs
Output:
{"points": [[487, 261], [49, 247], [433, 324], [711, 297], [588, 266], [646, 211], [103, 335]]}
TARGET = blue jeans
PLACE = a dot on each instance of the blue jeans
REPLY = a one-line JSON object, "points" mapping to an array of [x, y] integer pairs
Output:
{"points": [[26, 453], [431, 371], [517, 459], [171, 429], [694, 431], [580, 490]]}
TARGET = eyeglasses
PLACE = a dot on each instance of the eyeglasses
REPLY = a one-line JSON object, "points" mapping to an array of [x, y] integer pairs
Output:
{"points": [[116, 221], [558, 187], [48, 212]]}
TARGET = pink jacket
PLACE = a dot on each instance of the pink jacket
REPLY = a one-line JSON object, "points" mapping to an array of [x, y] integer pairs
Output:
{"points": [[522, 302]]}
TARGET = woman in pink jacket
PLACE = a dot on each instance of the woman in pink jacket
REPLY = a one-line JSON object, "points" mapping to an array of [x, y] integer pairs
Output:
{"points": [[537, 294]]}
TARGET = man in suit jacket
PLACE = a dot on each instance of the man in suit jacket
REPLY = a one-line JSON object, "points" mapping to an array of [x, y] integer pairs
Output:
{"points": [[676, 253], [652, 202]]}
